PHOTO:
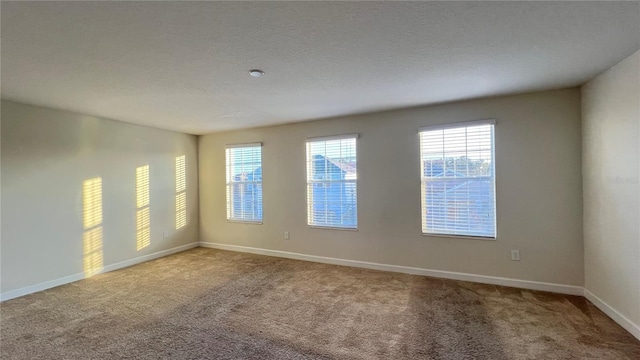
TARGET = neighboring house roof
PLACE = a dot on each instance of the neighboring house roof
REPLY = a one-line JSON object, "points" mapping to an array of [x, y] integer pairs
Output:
{"points": [[248, 176], [455, 168], [461, 191], [346, 167], [450, 173]]}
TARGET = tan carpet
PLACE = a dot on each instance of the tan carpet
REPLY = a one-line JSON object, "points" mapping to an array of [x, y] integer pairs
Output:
{"points": [[212, 304]]}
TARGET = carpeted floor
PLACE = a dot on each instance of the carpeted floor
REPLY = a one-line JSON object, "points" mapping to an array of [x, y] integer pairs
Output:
{"points": [[212, 304]]}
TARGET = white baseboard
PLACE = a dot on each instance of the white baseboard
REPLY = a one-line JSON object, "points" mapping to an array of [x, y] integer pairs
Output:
{"points": [[622, 320], [523, 284], [8, 295], [71, 278], [145, 258]]}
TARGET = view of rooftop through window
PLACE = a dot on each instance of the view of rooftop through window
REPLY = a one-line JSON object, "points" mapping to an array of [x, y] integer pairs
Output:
{"points": [[244, 182], [458, 187], [331, 182]]}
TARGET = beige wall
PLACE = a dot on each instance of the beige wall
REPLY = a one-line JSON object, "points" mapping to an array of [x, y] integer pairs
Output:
{"points": [[46, 156], [538, 177], [610, 161]]}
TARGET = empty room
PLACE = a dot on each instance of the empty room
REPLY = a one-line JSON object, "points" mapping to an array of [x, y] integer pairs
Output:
{"points": [[320, 180]]}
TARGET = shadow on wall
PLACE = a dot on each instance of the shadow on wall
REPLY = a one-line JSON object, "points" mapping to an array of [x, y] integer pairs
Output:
{"points": [[92, 223]]}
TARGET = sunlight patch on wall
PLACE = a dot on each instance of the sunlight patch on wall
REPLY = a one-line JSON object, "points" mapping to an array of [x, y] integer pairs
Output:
{"points": [[92, 203], [142, 186], [181, 194], [92, 223], [181, 210], [181, 174], [143, 228], [143, 216]]}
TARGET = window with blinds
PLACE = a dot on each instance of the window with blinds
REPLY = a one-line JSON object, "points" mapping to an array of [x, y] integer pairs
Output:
{"points": [[332, 182], [244, 182], [457, 170]]}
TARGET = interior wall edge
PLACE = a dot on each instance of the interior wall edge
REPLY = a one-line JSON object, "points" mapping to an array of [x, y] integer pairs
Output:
{"points": [[614, 314]]}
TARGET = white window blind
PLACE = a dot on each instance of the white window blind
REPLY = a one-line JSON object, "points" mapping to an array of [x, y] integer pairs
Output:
{"points": [[244, 182], [458, 180], [332, 182]]}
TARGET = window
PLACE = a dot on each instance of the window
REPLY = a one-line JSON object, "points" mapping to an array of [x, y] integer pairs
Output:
{"points": [[244, 182], [331, 182], [458, 179]]}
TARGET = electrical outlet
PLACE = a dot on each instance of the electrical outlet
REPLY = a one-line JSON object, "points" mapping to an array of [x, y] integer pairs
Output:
{"points": [[286, 235], [165, 234], [515, 255]]}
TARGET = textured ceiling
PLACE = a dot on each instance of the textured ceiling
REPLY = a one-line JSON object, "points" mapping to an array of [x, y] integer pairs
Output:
{"points": [[183, 66]]}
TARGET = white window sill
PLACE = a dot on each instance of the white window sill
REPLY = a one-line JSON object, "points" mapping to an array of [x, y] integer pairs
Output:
{"points": [[465, 237], [331, 228], [244, 222]]}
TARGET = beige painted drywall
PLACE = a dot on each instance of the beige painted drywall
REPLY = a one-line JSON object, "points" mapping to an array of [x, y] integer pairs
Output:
{"points": [[539, 191], [46, 156], [611, 173]]}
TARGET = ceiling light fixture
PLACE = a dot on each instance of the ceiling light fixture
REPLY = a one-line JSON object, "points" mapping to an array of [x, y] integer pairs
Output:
{"points": [[256, 73]]}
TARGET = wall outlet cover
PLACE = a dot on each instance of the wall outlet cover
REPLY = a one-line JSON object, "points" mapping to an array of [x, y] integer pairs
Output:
{"points": [[515, 255]]}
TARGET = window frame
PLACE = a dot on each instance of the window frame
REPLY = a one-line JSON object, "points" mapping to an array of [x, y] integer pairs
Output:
{"points": [[324, 183], [229, 185], [464, 124]]}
